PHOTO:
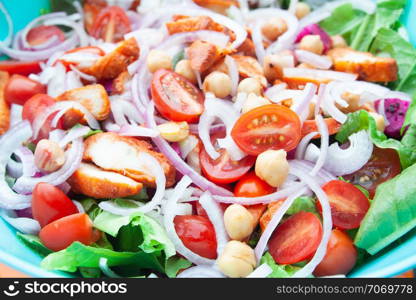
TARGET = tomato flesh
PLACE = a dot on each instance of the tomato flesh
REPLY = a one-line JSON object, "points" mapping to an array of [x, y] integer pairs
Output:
{"points": [[20, 67], [383, 165], [296, 239], [267, 127], [111, 25], [175, 97], [61, 233], [340, 256], [20, 88], [50, 204], [348, 204], [310, 126], [197, 234], [41, 34]]}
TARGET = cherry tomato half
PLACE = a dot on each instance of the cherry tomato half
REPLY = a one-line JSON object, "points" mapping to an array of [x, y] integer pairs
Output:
{"points": [[310, 126], [50, 204], [41, 34], [197, 234], [383, 165], [175, 97], [111, 25], [20, 67], [20, 88], [223, 170], [340, 256], [267, 127], [348, 204], [296, 239], [61, 233]]}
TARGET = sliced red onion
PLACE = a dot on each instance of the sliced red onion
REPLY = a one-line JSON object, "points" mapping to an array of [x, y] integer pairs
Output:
{"points": [[168, 219], [262, 271], [215, 215], [328, 105], [57, 135], [274, 90], [205, 122], [14, 168], [323, 153], [103, 265], [318, 61], [72, 135], [24, 225], [239, 102], [327, 222], [257, 37], [139, 86], [72, 81], [201, 272], [125, 112], [233, 72], [144, 51], [345, 161], [10, 26], [9, 143], [301, 107], [187, 145], [179, 164], [15, 114], [73, 157], [65, 187], [301, 148], [323, 175], [271, 226], [154, 168], [82, 74], [78, 28], [153, 37], [61, 108], [137, 131], [27, 159], [318, 74], [55, 77]]}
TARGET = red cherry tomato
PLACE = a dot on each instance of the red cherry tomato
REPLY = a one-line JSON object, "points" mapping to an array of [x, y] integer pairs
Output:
{"points": [[223, 170], [20, 88], [111, 25], [200, 211], [61, 233], [296, 239], [348, 204], [50, 204], [20, 67], [41, 34], [197, 234], [81, 57], [35, 106], [310, 126], [340, 256], [175, 97], [383, 165], [267, 127]]}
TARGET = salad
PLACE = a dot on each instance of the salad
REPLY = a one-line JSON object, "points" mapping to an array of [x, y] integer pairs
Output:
{"points": [[209, 138]]}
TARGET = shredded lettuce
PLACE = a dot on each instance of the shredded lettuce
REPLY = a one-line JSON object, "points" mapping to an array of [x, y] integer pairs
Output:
{"points": [[279, 271], [303, 204]]}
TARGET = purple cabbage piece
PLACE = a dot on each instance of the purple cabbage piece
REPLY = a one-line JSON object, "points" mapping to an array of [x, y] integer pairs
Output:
{"points": [[314, 29], [395, 112]]}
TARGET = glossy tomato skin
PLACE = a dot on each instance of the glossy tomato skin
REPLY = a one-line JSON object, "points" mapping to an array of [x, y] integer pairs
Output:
{"points": [[296, 239], [61, 233], [267, 127], [20, 67], [50, 204], [175, 97], [111, 25], [383, 165], [310, 126], [348, 204], [20, 88], [197, 234], [340, 257], [41, 34]]}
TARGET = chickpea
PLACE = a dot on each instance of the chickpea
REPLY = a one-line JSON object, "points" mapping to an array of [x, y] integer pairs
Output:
{"points": [[158, 60], [272, 167], [302, 10], [238, 222], [237, 260], [273, 65], [312, 43], [250, 85], [274, 28], [353, 102], [253, 101], [49, 156], [173, 131], [218, 83], [380, 122], [338, 42], [184, 68]]}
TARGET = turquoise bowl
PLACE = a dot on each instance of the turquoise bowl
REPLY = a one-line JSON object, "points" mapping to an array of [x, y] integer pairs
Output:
{"points": [[390, 262]]}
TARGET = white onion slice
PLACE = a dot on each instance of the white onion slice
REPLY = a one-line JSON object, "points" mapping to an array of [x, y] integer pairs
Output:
{"points": [[72, 135], [82, 74], [103, 265], [328, 105], [27, 159], [322, 177], [14, 168], [301, 106], [9, 143], [346, 161], [24, 225], [261, 271], [318, 61], [323, 153], [78, 28], [215, 215], [57, 135], [233, 72], [15, 114], [257, 37], [137, 131], [201, 272], [187, 145], [301, 148]]}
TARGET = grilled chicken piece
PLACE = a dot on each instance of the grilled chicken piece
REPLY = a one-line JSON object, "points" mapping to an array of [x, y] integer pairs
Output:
{"points": [[94, 182], [119, 84], [93, 97], [4, 107], [120, 154], [203, 55], [219, 6], [115, 62], [366, 65], [188, 24]]}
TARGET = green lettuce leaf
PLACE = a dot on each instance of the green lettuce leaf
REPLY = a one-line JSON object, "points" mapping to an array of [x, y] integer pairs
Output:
{"points": [[391, 214], [302, 204], [175, 264], [343, 20], [34, 243], [279, 271]]}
